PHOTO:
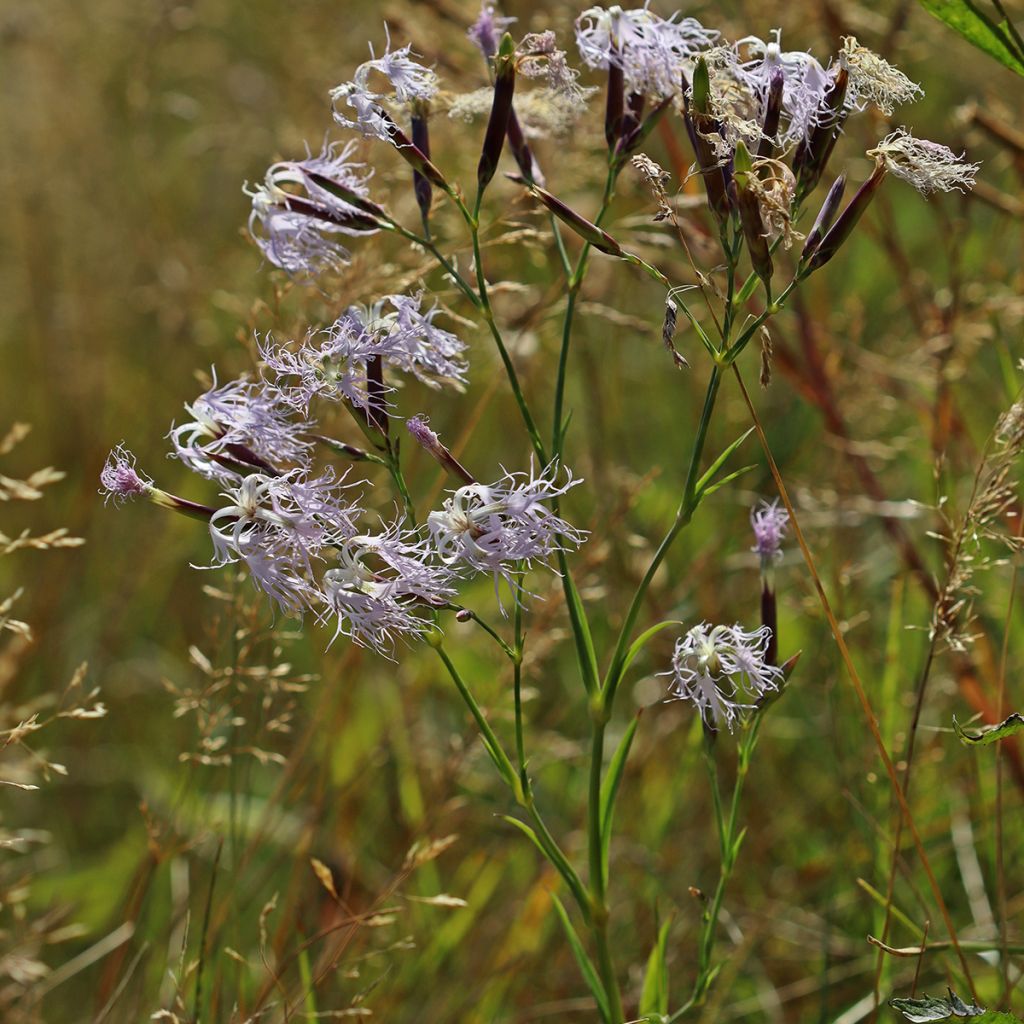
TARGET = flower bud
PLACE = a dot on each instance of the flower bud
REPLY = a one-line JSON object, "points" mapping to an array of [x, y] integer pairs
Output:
{"points": [[521, 151], [635, 129], [421, 140], [589, 232], [501, 112], [751, 219], [846, 221], [772, 112], [826, 215], [699, 124], [614, 109], [813, 153]]}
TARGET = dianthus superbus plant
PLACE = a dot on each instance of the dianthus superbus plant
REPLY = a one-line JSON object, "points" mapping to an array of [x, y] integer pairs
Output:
{"points": [[331, 530]]}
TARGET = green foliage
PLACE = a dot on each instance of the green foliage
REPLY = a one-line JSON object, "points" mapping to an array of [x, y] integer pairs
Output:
{"points": [[965, 18], [991, 733]]}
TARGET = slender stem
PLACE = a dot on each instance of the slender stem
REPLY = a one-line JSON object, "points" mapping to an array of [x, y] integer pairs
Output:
{"points": [[517, 680], [575, 282], [683, 517], [599, 906], [506, 359], [491, 741]]}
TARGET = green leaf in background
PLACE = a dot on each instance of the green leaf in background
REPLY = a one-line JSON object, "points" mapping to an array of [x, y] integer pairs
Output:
{"points": [[990, 733], [929, 1009], [654, 996], [964, 18]]}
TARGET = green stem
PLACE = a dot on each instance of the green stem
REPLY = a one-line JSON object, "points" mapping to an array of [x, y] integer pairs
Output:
{"points": [[599, 923], [683, 517], [727, 842], [491, 741], [517, 680], [575, 282], [506, 359]]}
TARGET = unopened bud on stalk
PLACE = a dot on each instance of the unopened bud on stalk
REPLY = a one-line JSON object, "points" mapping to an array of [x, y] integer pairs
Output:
{"points": [[751, 219], [812, 155], [589, 232], [614, 113], [636, 128], [772, 112], [501, 111], [414, 156], [521, 151], [826, 215], [374, 213], [846, 221], [699, 124], [376, 403], [421, 140], [427, 439]]}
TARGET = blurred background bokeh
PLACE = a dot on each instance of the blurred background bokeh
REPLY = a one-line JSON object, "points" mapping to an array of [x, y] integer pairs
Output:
{"points": [[128, 131]]}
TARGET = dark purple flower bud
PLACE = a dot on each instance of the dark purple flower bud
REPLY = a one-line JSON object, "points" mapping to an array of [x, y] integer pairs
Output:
{"points": [[376, 394], [501, 112], [428, 440], [635, 130], [521, 151], [421, 140], [614, 108], [826, 215], [846, 221], [589, 232], [772, 112], [812, 155]]}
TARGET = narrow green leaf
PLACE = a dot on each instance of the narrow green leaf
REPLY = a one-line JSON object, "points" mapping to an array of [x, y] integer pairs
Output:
{"points": [[718, 484], [654, 995], [989, 733], [586, 967], [610, 787], [965, 19], [641, 641], [553, 860], [580, 627], [721, 461]]}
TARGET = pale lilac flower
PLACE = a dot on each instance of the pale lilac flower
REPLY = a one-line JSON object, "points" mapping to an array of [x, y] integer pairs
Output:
{"points": [[279, 526], [296, 221], [329, 364], [411, 341], [928, 166], [332, 363], [490, 527], [770, 524], [236, 428], [406, 81], [381, 586], [652, 51], [120, 480], [488, 29], [722, 671], [805, 82]]}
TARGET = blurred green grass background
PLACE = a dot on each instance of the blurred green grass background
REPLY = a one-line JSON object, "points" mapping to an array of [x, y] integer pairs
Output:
{"points": [[128, 131]]}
